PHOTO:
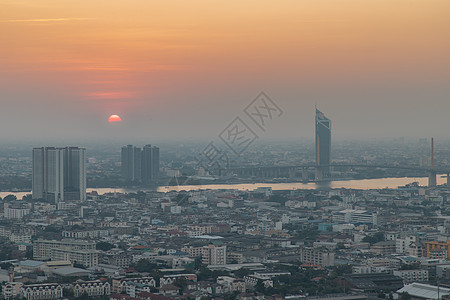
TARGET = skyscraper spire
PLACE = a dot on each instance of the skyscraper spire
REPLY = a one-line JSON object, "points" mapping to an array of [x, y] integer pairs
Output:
{"points": [[323, 141]]}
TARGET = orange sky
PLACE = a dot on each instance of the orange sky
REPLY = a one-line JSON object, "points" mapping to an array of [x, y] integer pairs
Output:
{"points": [[125, 57]]}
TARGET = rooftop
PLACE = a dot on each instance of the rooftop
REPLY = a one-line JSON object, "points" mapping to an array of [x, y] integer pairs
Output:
{"points": [[424, 291]]}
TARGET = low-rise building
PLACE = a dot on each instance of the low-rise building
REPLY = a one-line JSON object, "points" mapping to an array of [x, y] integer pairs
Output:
{"points": [[412, 275], [356, 216], [383, 247], [15, 211], [170, 279], [371, 282], [42, 291], [116, 258], [317, 256], [424, 291], [95, 288], [42, 249], [11, 289], [120, 285], [438, 250], [233, 284], [87, 258]]}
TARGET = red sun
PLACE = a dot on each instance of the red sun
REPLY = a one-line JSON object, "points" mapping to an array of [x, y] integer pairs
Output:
{"points": [[114, 118]]}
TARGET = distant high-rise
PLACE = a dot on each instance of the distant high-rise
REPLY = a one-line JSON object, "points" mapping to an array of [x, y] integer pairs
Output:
{"points": [[131, 163], [323, 141], [155, 162], [150, 163], [74, 166], [59, 174], [140, 165]]}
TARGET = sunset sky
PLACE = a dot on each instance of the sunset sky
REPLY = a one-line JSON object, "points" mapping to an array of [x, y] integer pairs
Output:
{"points": [[182, 69]]}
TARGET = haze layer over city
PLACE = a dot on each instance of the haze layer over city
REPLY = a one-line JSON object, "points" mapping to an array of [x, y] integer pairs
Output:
{"points": [[227, 150], [379, 69]]}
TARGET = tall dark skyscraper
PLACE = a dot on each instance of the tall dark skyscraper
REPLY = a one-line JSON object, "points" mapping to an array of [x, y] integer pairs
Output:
{"points": [[323, 142], [150, 163], [131, 163], [59, 174], [140, 165]]}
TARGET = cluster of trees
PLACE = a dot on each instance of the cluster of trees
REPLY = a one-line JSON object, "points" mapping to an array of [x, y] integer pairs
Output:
{"points": [[5, 252], [144, 265], [206, 274], [15, 182], [279, 199], [104, 246], [104, 181], [9, 198], [373, 239], [308, 281], [307, 234]]}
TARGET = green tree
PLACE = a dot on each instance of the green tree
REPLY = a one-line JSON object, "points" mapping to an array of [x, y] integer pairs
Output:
{"points": [[29, 253], [84, 296], [9, 198], [68, 293], [308, 234], [105, 246], [144, 265], [279, 199], [52, 228], [410, 266], [6, 265], [181, 282], [377, 237], [232, 296], [260, 287], [27, 197], [242, 272], [405, 296], [343, 269], [5, 253]]}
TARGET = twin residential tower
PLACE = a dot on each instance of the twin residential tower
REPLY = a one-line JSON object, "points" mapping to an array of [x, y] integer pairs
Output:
{"points": [[59, 174], [140, 165]]}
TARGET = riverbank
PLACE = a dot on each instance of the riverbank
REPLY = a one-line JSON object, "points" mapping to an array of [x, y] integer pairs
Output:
{"points": [[360, 184]]}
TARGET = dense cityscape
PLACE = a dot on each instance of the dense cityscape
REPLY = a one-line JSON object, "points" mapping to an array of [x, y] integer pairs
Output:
{"points": [[224, 150], [169, 228]]}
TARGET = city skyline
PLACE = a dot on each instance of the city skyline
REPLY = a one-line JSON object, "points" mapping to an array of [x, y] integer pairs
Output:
{"points": [[302, 149], [175, 72]]}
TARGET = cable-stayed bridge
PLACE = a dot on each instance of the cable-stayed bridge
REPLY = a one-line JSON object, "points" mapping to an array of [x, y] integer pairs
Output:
{"points": [[291, 170]]}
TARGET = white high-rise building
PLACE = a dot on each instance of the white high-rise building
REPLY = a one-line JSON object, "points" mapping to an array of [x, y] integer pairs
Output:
{"points": [[59, 174]]}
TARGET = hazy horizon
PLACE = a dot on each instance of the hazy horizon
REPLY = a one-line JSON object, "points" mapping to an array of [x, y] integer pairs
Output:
{"points": [[184, 71]]}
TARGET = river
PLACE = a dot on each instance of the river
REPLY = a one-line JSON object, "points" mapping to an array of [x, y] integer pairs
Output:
{"points": [[361, 184]]}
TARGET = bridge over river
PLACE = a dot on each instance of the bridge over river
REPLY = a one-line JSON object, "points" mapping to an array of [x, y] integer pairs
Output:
{"points": [[291, 171]]}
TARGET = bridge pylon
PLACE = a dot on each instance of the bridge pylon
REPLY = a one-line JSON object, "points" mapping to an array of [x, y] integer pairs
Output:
{"points": [[319, 173], [432, 179], [432, 174], [291, 172], [305, 174]]}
